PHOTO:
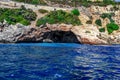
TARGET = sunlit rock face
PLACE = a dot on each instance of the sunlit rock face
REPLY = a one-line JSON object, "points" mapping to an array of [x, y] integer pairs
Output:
{"points": [[116, 18], [88, 34], [8, 3], [63, 34], [56, 33], [10, 33], [48, 33]]}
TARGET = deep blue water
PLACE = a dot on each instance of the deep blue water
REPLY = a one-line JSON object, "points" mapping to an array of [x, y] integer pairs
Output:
{"points": [[59, 62]]}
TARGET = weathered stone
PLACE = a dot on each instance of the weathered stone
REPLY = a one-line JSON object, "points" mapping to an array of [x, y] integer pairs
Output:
{"points": [[86, 34], [103, 36], [88, 38]]}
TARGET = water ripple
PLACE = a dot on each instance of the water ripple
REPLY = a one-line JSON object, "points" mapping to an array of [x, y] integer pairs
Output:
{"points": [[59, 62]]}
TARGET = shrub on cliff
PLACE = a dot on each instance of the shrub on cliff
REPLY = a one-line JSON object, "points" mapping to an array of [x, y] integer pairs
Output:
{"points": [[13, 16], [15, 19], [111, 27], [43, 11], [42, 21], [102, 29], [33, 1], [75, 12], [23, 7], [108, 2], [29, 15], [98, 22], [89, 22], [108, 15], [59, 16]]}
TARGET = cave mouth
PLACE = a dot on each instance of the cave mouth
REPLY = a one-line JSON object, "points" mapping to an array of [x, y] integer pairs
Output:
{"points": [[60, 37]]}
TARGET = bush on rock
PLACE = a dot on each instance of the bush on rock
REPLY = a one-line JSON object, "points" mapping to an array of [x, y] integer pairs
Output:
{"points": [[13, 16], [111, 27], [75, 12], [59, 16], [98, 22], [43, 11]]}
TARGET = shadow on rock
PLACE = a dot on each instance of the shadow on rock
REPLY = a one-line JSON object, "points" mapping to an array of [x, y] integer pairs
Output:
{"points": [[60, 37]]}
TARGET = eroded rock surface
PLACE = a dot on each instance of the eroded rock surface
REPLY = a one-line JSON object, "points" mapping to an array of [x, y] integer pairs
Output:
{"points": [[48, 33], [58, 33]]}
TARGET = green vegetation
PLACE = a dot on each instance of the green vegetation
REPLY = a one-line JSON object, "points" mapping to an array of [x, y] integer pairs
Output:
{"points": [[13, 16], [102, 29], [98, 22], [89, 22], [87, 32], [32, 1], [75, 12], [111, 27], [59, 16], [43, 11], [74, 3], [115, 7], [108, 15], [103, 3], [107, 2]]}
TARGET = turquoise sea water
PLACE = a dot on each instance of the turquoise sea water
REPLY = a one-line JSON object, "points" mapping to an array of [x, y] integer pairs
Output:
{"points": [[46, 61]]}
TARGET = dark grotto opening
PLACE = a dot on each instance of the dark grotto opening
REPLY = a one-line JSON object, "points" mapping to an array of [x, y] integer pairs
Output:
{"points": [[60, 37]]}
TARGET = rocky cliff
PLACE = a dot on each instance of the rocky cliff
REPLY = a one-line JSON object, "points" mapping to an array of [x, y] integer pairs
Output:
{"points": [[19, 33], [88, 34]]}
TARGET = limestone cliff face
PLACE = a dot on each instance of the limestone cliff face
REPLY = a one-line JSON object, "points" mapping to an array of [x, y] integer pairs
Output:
{"points": [[7, 2], [62, 33], [50, 33], [58, 33], [107, 9], [88, 34]]}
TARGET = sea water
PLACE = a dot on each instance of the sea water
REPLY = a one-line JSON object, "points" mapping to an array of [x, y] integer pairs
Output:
{"points": [[59, 61]]}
